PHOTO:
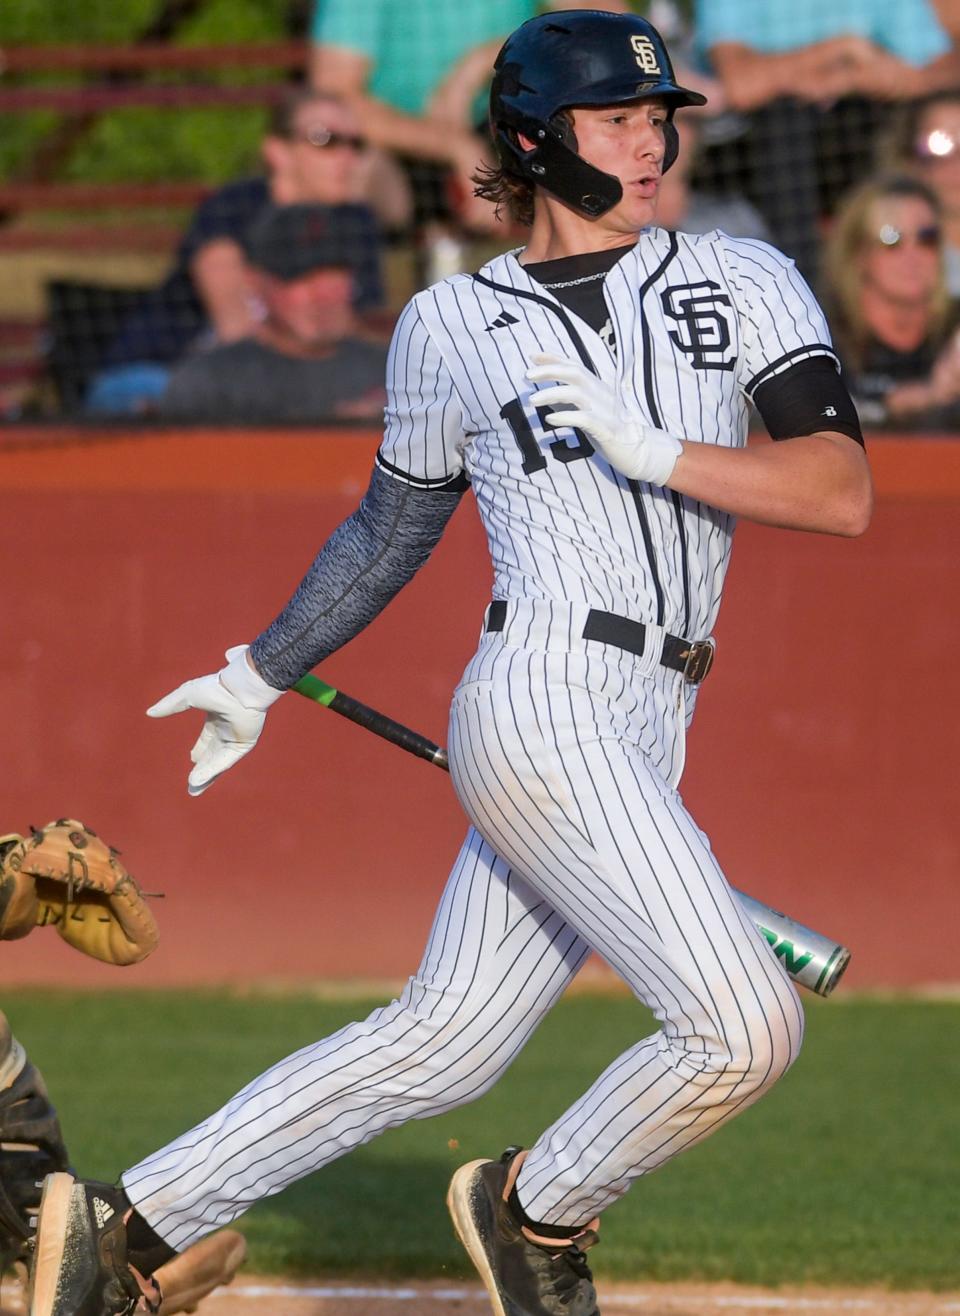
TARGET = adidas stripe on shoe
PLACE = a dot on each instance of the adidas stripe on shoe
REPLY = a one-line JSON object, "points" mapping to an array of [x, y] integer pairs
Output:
{"points": [[79, 1265]]}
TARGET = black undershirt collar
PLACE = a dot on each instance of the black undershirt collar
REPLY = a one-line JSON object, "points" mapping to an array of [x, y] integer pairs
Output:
{"points": [[577, 283]]}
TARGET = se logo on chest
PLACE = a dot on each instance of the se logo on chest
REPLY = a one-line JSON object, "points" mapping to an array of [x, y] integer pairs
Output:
{"points": [[703, 316]]}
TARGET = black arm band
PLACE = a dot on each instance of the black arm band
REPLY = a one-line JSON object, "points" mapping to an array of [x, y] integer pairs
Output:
{"points": [[808, 398]]}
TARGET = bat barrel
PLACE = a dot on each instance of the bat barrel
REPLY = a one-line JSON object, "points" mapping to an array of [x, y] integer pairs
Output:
{"points": [[810, 958]]}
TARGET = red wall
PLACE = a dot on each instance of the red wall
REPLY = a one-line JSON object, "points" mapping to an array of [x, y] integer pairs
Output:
{"points": [[822, 762]]}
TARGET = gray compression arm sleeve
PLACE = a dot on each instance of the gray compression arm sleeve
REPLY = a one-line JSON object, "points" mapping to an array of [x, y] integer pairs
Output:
{"points": [[360, 568]]}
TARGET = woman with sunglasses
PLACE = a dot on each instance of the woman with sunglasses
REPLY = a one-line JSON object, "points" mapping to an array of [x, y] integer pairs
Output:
{"points": [[891, 313]]}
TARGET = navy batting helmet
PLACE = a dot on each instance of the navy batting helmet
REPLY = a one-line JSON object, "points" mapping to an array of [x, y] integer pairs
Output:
{"points": [[577, 57]]}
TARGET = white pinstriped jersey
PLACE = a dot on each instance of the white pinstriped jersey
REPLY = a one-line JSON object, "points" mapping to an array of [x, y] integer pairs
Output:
{"points": [[699, 322]]}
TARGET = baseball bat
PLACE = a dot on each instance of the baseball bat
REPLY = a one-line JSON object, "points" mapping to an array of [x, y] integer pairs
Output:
{"points": [[810, 958]]}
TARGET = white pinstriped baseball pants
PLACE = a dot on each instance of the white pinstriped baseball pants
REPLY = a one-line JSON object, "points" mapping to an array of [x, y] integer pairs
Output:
{"points": [[563, 753]]}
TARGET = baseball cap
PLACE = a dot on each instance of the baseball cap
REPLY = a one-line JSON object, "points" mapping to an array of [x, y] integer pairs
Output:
{"points": [[290, 241]]}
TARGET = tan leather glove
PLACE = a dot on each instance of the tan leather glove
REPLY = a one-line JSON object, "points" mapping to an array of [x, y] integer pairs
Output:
{"points": [[65, 876]]}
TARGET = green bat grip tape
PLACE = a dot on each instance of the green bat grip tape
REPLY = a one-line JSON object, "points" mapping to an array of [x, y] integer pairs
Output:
{"points": [[315, 689]]}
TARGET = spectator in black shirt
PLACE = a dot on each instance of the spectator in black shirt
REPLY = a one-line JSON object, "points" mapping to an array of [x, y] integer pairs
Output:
{"points": [[890, 309], [304, 361]]}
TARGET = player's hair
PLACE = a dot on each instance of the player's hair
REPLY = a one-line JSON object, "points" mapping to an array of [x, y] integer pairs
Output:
{"points": [[843, 294], [508, 190], [283, 115]]}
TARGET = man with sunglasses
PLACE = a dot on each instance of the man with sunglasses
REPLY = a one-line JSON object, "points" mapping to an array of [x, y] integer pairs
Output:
{"points": [[314, 153]]}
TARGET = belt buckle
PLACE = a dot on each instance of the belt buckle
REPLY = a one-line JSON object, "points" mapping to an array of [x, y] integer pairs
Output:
{"points": [[698, 661]]}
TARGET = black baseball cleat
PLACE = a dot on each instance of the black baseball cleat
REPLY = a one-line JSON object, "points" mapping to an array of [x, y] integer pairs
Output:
{"points": [[79, 1265], [522, 1278]]}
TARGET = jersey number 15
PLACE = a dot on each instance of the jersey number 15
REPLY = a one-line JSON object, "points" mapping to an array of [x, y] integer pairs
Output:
{"points": [[529, 443]]}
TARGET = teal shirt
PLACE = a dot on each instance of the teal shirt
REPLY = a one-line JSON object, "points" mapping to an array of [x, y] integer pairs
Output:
{"points": [[413, 44], [907, 28]]}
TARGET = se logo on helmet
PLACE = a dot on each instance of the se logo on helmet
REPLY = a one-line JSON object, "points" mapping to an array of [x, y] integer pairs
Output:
{"points": [[645, 52]]}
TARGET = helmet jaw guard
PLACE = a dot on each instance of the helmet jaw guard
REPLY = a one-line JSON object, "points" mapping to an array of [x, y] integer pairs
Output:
{"points": [[573, 59], [553, 163]]}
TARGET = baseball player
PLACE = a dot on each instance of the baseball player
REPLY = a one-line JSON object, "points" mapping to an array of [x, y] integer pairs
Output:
{"points": [[592, 389]]}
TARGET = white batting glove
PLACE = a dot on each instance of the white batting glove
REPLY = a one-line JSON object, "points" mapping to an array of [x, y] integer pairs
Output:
{"points": [[631, 446], [235, 700]]}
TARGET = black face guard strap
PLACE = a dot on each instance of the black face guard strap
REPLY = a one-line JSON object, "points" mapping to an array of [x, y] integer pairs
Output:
{"points": [[561, 171], [671, 144], [554, 163]]}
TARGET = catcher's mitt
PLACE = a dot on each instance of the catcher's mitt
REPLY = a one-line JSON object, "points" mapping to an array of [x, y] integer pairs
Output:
{"points": [[31, 1147], [66, 876]]}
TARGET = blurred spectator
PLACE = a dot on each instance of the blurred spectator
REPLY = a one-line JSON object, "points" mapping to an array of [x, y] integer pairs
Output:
{"points": [[892, 317], [416, 74], [811, 80], [694, 211], [304, 360], [925, 140], [314, 152]]}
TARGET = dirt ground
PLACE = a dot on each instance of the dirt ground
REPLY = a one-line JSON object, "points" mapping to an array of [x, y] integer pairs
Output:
{"points": [[250, 1296]]}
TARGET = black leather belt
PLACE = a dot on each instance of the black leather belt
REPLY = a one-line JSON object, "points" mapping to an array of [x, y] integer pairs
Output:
{"points": [[692, 657]]}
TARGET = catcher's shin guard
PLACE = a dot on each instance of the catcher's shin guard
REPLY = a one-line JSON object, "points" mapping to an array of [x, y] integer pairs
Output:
{"points": [[31, 1147]]}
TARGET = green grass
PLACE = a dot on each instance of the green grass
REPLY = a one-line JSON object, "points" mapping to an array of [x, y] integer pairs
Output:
{"points": [[844, 1174]]}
